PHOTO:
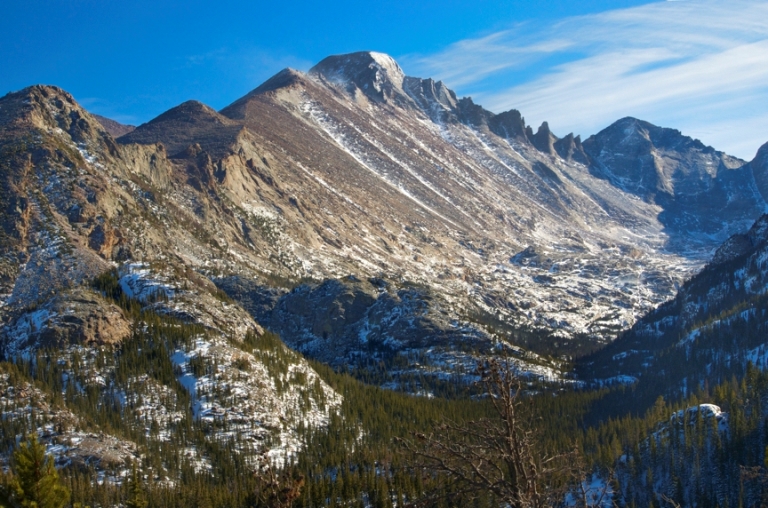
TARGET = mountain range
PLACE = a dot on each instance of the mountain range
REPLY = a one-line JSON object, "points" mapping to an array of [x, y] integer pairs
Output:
{"points": [[376, 223], [355, 168]]}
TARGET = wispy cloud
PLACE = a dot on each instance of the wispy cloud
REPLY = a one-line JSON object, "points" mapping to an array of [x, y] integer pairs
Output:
{"points": [[700, 66], [472, 60]]}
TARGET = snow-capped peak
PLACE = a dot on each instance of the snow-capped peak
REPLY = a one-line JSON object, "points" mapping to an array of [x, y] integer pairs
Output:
{"points": [[389, 66], [377, 75]]}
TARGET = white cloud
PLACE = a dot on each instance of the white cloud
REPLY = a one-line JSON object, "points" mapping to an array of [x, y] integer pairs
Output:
{"points": [[700, 66]]}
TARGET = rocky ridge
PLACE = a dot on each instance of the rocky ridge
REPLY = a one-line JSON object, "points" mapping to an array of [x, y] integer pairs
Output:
{"points": [[354, 108]]}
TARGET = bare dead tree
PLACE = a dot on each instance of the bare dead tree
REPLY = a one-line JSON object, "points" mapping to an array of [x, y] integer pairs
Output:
{"points": [[496, 455], [500, 455], [274, 489], [670, 501], [584, 493]]}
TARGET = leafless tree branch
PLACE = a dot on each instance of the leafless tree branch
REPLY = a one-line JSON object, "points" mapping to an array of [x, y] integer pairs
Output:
{"points": [[499, 455]]}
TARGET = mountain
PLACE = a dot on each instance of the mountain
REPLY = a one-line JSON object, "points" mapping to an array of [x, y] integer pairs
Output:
{"points": [[357, 169], [115, 129], [679, 174], [705, 345], [381, 225], [187, 124], [484, 189]]}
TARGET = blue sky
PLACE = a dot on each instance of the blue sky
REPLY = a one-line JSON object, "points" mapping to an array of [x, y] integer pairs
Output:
{"points": [[697, 65]]}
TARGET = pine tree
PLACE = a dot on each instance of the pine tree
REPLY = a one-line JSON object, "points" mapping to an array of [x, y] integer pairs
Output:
{"points": [[34, 481], [135, 493]]}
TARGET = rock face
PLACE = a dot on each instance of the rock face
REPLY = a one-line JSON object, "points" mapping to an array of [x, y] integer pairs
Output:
{"points": [[571, 149], [341, 320], [375, 75], [369, 324], [74, 317], [101, 243], [741, 244], [543, 140], [679, 174], [188, 124], [436, 99], [509, 125], [353, 157], [759, 167]]}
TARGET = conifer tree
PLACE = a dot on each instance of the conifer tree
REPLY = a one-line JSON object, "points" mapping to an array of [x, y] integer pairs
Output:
{"points": [[34, 481], [136, 497]]}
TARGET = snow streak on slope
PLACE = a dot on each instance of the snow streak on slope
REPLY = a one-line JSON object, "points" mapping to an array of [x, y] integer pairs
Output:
{"points": [[335, 133], [423, 181]]}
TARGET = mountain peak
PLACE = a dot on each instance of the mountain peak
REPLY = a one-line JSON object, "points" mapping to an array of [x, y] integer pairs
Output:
{"points": [[761, 158], [570, 148], [377, 75], [187, 111], [630, 129], [115, 129], [665, 167], [182, 125], [44, 92], [544, 140], [285, 77], [385, 61], [37, 98], [45, 107]]}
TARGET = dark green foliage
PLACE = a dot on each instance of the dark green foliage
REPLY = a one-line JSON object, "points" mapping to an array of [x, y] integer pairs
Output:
{"points": [[135, 497], [354, 461], [34, 482], [541, 342], [109, 284]]}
